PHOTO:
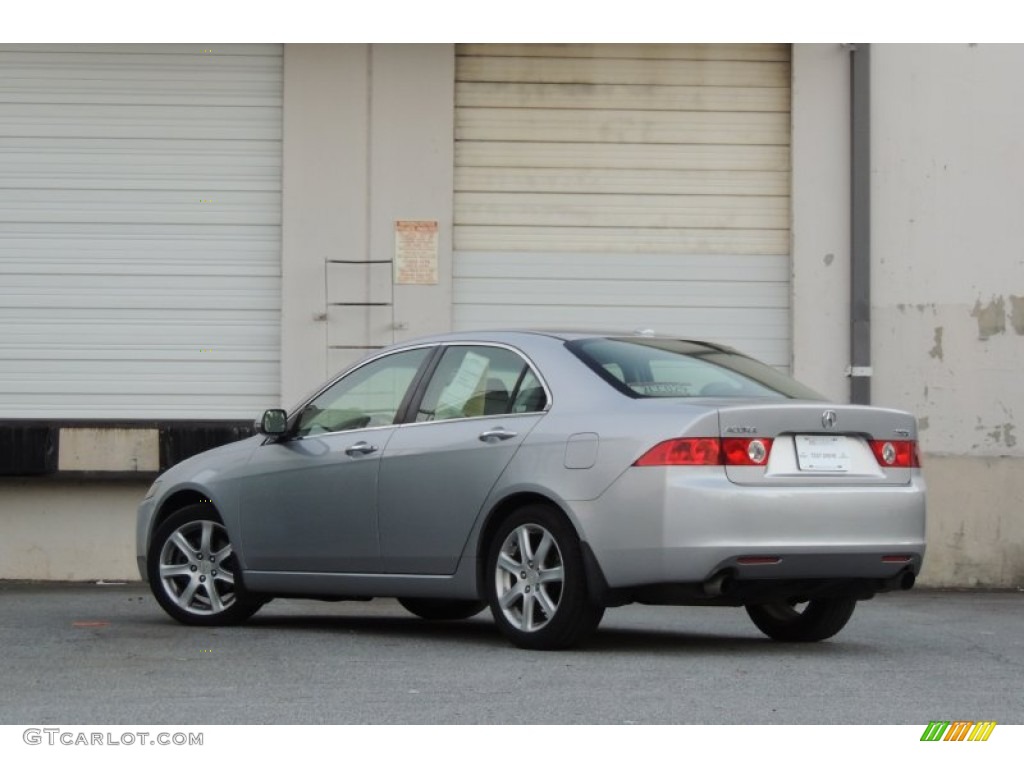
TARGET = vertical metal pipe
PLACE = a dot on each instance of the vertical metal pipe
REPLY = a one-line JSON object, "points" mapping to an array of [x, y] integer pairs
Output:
{"points": [[860, 223]]}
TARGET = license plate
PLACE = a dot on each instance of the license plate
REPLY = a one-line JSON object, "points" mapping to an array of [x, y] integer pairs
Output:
{"points": [[822, 453]]}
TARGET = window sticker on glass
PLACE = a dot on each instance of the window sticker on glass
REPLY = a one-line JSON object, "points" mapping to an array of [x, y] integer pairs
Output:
{"points": [[464, 384], [661, 388]]}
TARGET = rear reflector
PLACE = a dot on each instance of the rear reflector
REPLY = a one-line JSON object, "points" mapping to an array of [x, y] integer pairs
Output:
{"points": [[751, 560], [895, 558], [708, 451], [900, 454]]}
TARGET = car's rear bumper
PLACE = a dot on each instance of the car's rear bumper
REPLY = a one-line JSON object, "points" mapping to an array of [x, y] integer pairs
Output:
{"points": [[663, 525]]}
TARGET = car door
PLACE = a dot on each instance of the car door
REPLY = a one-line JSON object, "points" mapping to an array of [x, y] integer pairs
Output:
{"points": [[308, 501], [478, 406]]}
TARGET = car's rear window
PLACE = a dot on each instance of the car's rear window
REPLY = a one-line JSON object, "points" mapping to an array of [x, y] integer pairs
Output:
{"points": [[647, 367]]}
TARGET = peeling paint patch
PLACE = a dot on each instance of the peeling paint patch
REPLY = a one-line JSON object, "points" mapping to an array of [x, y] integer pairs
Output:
{"points": [[829, 258], [991, 317], [922, 424], [936, 351], [1017, 314], [1001, 433]]}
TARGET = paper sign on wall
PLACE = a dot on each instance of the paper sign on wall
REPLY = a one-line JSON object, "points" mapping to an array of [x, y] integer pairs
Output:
{"points": [[416, 252]]}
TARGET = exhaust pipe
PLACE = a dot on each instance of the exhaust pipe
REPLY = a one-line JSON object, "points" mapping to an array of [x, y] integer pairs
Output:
{"points": [[904, 580], [719, 585]]}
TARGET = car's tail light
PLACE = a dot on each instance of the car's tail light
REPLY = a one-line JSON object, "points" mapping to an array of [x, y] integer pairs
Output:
{"points": [[896, 453], [684, 451], [705, 451], [744, 452]]}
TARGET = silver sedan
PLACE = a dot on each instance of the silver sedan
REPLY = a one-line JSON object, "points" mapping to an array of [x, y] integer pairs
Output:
{"points": [[548, 476]]}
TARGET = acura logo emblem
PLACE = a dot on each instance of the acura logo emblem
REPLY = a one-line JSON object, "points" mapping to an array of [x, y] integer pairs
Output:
{"points": [[829, 419]]}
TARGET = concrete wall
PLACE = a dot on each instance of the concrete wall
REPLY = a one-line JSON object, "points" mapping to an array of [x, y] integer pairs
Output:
{"points": [[947, 276], [368, 140], [68, 530], [948, 290], [821, 218]]}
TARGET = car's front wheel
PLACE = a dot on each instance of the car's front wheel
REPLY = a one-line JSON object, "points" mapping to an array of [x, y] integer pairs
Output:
{"points": [[802, 622], [193, 570], [535, 581]]}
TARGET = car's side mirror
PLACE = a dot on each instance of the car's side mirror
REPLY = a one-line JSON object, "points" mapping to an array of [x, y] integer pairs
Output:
{"points": [[274, 422]]}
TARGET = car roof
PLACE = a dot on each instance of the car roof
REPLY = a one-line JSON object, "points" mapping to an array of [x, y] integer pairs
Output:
{"points": [[523, 335], [555, 333]]}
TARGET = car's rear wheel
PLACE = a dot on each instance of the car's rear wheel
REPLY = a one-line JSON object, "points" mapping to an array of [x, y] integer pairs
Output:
{"points": [[802, 622], [193, 570], [441, 610], [535, 582]]}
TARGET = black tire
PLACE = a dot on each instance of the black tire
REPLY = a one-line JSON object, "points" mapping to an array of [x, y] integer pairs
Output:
{"points": [[539, 598], [193, 571], [818, 620], [441, 610]]}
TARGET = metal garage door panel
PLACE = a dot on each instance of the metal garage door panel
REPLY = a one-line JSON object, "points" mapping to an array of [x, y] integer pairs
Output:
{"points": [[609, 181], [681, 157], [139, 230], [658, 51], [625, 186], [593, 70], [622, 126]]}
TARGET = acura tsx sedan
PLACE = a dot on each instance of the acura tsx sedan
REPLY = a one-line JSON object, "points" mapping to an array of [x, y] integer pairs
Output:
{"points": [[548, 476]]}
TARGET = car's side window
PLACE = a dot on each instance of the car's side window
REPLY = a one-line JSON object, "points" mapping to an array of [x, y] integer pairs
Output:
{"points": [[530, 395], [480, 381], [370, 396]]}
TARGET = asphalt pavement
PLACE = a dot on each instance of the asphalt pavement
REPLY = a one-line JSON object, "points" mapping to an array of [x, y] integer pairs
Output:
{"points": [[99, 654]]}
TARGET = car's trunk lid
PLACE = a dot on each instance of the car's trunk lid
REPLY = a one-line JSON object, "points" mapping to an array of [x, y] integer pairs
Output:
{"points": [[817, 443]]}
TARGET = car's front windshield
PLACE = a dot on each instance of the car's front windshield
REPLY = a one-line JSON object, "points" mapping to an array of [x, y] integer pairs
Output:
{"points": [[650, 367]]}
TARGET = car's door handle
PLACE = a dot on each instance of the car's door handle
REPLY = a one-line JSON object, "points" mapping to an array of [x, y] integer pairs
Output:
{"points": [[496, 434], [360, 449]]}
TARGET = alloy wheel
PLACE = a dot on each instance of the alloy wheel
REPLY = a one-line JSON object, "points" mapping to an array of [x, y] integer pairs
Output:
{"points": [[529, 577], [196, 568]]}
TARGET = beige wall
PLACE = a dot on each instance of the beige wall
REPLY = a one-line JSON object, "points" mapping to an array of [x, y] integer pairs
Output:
{"points": [[947, 281], [368, 140], [821, 218], [67, 530], [975, 529], [948, 238]]}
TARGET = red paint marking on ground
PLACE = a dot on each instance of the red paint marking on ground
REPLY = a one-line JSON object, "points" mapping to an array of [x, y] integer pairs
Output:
{"points": [[90, 624]]}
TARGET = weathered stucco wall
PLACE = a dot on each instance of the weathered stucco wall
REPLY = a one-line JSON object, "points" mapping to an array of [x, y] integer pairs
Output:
{"points": [[948, 280], [947, 276], [948, 291], [975, 529]]}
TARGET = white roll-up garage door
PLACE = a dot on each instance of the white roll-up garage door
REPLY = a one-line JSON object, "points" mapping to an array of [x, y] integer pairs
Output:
{"points": [[625, 187], [140, 213]]}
